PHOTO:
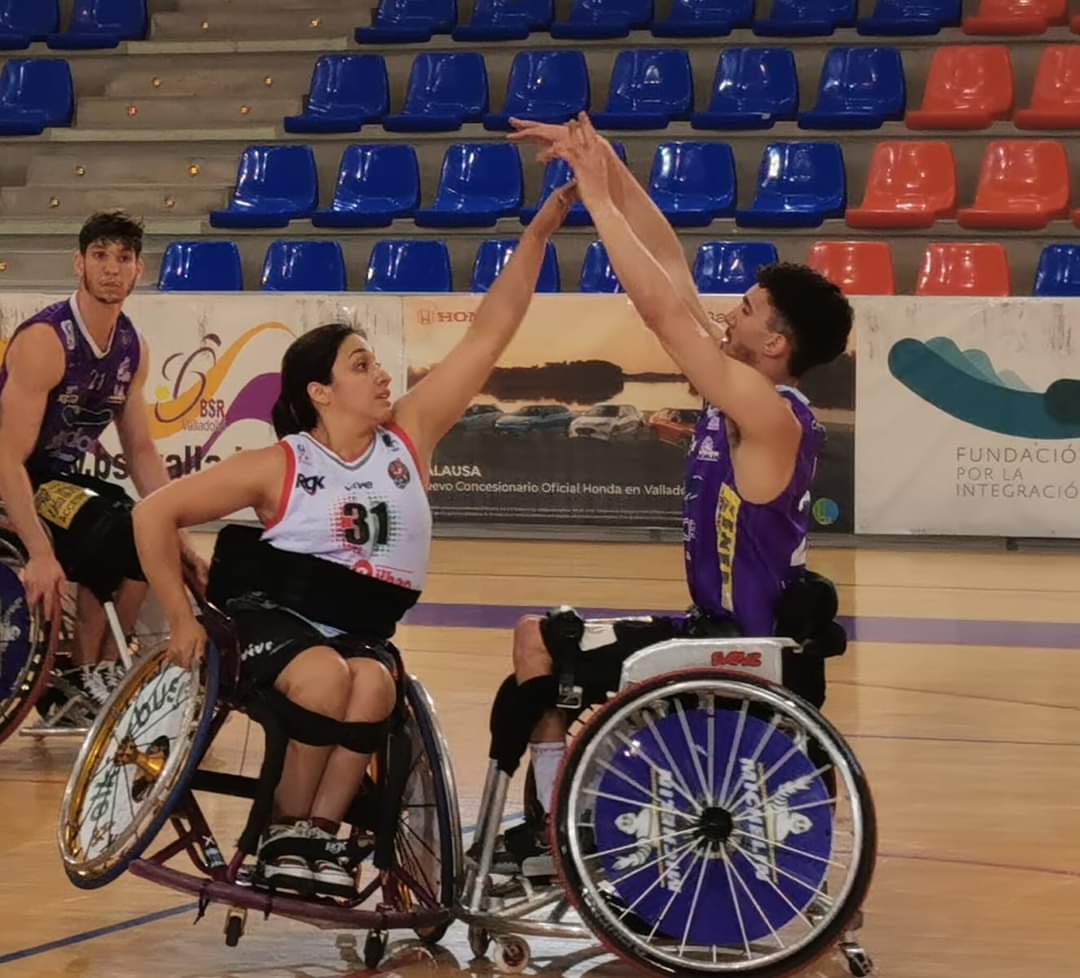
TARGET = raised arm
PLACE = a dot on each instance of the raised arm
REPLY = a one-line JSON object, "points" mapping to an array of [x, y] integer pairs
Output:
{"points": [[646, 220], [433, 406], [768, 431], [35, 365], [252, 478]]}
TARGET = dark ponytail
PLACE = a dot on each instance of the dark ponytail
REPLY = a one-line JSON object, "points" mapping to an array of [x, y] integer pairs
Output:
{"points": [[309, 359]]}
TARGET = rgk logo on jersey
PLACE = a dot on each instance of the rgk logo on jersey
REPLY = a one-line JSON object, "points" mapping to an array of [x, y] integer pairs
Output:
{"points": [[737, 657], [311, 484]]}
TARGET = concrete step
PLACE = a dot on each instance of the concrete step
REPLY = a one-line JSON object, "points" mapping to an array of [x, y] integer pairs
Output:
{"points": [[96, 167], [62, 200], [36, 268], [230, 25], [215, 82], [203, 7], [183, 112]]}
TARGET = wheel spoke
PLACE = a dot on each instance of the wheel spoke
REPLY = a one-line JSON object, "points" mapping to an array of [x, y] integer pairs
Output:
{"points": [[595, 792], [637, 843], [757, 906], [637, 751]]}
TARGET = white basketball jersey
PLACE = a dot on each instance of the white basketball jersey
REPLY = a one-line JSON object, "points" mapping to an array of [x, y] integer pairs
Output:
{"points": [[371, 515]]}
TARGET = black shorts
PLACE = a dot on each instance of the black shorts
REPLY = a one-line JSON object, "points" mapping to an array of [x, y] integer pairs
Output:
{"points": [[93, 535], [609, 642], [269, 638]]}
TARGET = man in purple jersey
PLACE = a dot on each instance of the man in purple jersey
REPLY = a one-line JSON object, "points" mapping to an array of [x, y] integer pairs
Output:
{"points": [[69, 372], [748, 475]]}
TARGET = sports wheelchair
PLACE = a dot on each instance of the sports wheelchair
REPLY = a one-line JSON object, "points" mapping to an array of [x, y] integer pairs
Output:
{"points": [[34, 652], [140, 768], [707, 820]]}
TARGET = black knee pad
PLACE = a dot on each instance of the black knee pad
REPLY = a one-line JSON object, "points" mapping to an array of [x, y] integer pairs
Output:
{"points": [[516, 711]]}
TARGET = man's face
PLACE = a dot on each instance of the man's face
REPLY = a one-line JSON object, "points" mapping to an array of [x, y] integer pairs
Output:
{"points": [[749, 336], [109, 271]]}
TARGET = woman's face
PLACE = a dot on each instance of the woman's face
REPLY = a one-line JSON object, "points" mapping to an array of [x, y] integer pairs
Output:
{"points": [[359, 387]]}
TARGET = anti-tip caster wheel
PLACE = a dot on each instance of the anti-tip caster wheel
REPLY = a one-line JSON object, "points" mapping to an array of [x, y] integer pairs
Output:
{"points": [[374, 948], [511, 955], [479, 941], [858, 961], [235, 920]]}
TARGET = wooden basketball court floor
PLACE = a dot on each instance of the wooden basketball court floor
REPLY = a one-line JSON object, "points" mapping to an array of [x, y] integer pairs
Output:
{"points": [[960, 695]]}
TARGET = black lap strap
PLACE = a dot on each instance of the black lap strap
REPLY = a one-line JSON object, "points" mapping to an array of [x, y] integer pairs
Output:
{"points": [[318, 589]]}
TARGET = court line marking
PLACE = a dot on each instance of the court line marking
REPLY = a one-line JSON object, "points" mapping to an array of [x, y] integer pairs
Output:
{"points": [[962, 696]]}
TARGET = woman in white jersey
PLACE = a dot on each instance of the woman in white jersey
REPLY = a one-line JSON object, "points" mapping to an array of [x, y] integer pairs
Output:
{"points": [[346, 485]]}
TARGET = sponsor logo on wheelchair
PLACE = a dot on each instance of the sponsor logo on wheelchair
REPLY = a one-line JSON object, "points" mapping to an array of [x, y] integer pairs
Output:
{"points": [[765, 822], [9, 631], [737, 658], [164, 697], [768, 817]]}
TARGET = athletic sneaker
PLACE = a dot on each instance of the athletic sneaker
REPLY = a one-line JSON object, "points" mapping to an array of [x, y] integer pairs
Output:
{"points": [[333, 869], [524, 849], [88, 682], [282, 862], [112, 674]]}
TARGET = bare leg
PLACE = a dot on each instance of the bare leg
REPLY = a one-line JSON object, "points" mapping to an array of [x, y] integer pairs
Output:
{"points": [[319, 680], [371, 700]]}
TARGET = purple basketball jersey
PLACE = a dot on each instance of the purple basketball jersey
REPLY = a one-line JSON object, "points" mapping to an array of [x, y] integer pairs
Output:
{"points": [[91, 394], [740, 555]]}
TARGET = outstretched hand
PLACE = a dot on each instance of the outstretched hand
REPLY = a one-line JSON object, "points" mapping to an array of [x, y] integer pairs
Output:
{"points": [[586, 152]]}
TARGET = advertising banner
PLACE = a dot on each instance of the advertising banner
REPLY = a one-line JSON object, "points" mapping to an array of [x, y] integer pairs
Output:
{"points": [[587, 421], [969, 418], [214, 365]]}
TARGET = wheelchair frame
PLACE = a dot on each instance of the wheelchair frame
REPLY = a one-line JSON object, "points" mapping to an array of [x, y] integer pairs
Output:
{"points": [[507, 912], [404, 903]]}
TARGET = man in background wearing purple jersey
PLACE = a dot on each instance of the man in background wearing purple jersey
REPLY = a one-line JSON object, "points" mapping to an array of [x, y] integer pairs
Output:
{"points": [[749, 470], [69, 372]]}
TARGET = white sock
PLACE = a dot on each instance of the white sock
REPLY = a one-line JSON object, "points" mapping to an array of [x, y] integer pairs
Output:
{"points": [[546, 760]]}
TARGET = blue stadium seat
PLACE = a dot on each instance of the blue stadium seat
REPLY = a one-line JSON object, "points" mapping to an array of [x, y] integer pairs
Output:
{"points": [[444, 92], [409, 21], [304, 266], [480, 182], [806, 18], [557, 173], [861, 88], [409, 266], [506, 20], [649, 89], [909, 18], [492, 257], [24, 21], [548, 86], [753, 88], [597, 275], [799, 186], [274, 185], [604, 18], [730, 267], [693, 183], [347, 91], [201, 266], [1058, 273], [35, 93], [102, 24], [704, 18], [375, 186]]}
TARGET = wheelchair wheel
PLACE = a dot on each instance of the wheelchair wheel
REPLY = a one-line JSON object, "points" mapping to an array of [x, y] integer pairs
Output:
{"points": [[135, 764], [27, 642], [707, 824], [428, 842]]}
